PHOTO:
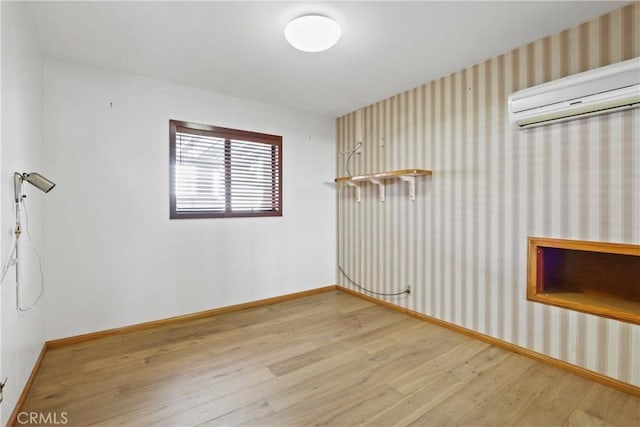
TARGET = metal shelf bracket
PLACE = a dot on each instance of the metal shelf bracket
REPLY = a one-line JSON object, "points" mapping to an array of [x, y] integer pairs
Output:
{"points": [[411, 180], [357, 187], [380, 185]]}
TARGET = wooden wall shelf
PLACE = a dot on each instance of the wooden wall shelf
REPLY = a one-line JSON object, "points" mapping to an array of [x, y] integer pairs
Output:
{"points": [[593, 277], [407, 175]]}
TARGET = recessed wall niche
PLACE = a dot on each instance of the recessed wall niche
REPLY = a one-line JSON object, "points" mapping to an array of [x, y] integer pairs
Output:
{"points": [[599, 278]]}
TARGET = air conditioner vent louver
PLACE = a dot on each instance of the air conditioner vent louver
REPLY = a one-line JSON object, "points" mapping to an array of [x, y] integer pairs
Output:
{"points": [[603, 90]]}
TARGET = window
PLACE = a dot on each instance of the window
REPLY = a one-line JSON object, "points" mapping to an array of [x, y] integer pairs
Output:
{"points": [[217, 172]]}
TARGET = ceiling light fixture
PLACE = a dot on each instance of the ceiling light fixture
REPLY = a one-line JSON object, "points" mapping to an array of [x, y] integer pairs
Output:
{"points": [[312, 33]]}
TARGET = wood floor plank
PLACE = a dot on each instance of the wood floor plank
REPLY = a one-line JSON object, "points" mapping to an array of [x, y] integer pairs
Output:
{"points": [[255, 411], [181, 396], [413, 379], [233, 401], [629, 413], [296, 362], [509, 402], [438, 389], [609, 406], [374, 369], [178, 372], [580, 418], [495, 372], [346, 407], [326, 359], [558, 402]]}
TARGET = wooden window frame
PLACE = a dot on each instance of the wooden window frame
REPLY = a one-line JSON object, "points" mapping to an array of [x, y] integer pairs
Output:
{"points": [[227, 134]]}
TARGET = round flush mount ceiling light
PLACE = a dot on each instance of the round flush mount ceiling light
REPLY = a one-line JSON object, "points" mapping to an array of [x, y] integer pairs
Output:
{"points": [[312, 33]]}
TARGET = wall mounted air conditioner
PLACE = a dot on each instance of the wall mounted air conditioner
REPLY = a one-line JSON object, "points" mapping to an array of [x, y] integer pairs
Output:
{"points": [[602, 90]]}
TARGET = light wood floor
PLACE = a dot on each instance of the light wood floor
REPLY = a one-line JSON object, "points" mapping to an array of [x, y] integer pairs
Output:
{"points": [[327, 359]]}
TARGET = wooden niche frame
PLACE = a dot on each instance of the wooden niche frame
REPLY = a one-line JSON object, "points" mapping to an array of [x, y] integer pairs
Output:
{"points": [[598, 278]]}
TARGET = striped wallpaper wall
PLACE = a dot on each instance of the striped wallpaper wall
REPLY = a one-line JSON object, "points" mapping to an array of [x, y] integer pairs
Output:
{"points": [[461, 245]]}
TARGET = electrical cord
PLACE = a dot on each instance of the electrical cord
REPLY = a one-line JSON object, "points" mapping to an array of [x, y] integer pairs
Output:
{"points": [[10, 260], [390, 294], [350, 156], [26, 229]]}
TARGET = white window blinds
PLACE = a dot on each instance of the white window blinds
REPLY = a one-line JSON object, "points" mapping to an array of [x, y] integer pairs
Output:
{"points": [[222, 172]]}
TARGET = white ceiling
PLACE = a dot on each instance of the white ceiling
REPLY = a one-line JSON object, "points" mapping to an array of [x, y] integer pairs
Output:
{"points": [[238, 48]]}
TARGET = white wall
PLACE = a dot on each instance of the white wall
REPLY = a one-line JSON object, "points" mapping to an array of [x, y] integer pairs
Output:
{"points": [[21, 150], [114, 258]]}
